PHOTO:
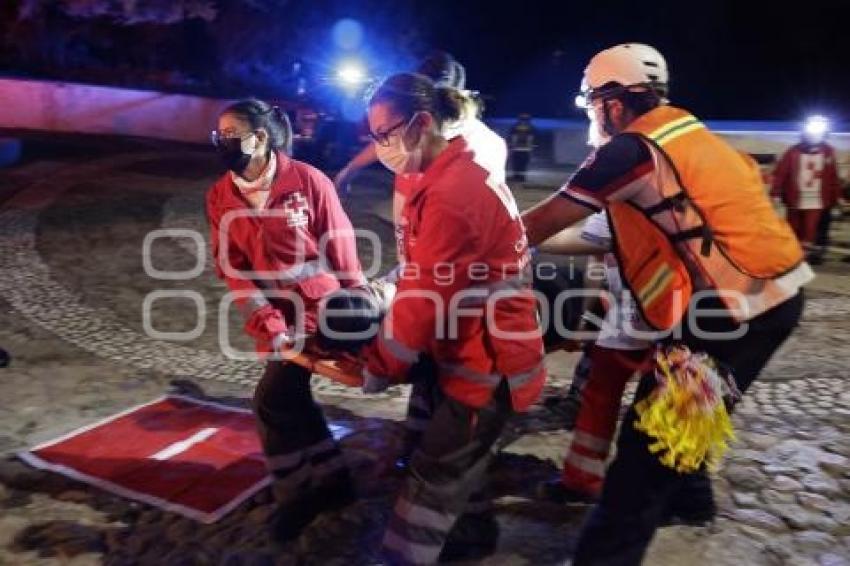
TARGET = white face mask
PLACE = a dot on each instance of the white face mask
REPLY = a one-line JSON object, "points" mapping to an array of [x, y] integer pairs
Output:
{"points": [[596, 135], [396, 157], [249, 144]]}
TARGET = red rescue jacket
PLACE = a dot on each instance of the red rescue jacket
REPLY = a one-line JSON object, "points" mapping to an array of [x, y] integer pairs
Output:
{"points": [[786, 176], [464, 297], [280, 248]]}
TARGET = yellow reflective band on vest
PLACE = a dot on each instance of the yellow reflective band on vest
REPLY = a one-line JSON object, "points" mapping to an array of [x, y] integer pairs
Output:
{"points": [[656, 285], [650, 266], [655, 134], [675, 129], [713, 189]]}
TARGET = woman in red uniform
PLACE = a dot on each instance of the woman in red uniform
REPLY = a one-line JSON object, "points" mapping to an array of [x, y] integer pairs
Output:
{"points": [[464, 301], [282, 242]]}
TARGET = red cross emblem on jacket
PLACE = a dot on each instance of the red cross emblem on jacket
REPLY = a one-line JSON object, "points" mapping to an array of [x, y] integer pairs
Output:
{"points": [[295, 208]]}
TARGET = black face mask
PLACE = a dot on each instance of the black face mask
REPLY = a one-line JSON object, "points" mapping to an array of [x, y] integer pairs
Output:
{"points": [[231, 155]]}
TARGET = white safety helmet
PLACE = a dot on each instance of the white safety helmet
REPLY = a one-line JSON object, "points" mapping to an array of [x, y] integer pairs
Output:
{"points": [[630, 66]]}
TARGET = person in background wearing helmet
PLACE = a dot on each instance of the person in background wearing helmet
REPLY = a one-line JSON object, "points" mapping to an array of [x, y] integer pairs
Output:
{"points": [[464, 301], [806, 179], [268, 215], [690, 219], [490, 148], [521, 144]]}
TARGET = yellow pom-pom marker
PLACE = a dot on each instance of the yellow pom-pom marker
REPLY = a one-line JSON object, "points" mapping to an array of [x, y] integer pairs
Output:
{"points": [[686, 414]]}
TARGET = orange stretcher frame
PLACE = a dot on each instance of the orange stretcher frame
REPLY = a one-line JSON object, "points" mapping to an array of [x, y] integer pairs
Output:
{"points": [[343, 367]]}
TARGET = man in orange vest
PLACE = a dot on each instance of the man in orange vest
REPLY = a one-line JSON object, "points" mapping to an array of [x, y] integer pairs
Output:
{"points": [[693, 230]]}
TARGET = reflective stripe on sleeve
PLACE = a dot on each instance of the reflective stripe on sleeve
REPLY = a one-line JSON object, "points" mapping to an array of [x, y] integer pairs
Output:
{"points": [[253, 302], [471, 375], [399, 350], [301, 272]]}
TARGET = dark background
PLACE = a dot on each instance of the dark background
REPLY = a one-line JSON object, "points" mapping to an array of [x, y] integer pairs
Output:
{"points": [[728, 59]]}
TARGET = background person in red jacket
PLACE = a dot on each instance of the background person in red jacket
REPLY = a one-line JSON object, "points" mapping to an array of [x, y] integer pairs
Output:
{"points": [[268, 216], [806, 179], [464, 301]]}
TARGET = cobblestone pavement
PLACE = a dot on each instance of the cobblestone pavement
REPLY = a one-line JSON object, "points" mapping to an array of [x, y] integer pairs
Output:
{"points": [[73, 221]]}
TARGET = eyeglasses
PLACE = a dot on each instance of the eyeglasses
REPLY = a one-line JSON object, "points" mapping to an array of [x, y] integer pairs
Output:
{"points": [[383, 138], [587, 98], [216, 136]]}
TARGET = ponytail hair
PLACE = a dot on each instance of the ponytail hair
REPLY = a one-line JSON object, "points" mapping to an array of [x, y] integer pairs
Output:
{"points": [[453, 104], [409, 93], [442, 68], [273, 119]]}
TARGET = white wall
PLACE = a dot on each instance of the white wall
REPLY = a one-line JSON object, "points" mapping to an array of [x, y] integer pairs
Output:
{"points": [[776, 143], [570, 144], [69, 107]]}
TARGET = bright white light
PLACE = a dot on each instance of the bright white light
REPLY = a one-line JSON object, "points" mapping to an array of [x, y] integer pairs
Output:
{"points": [[581, 101], [351, 74], [817, 126]]}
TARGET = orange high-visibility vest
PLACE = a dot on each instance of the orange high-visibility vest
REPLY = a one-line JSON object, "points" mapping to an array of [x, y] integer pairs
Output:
{"points": [[726, 228]]}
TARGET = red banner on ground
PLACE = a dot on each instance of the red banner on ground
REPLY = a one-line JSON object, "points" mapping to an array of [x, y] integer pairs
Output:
{"points": [[197, 458]]}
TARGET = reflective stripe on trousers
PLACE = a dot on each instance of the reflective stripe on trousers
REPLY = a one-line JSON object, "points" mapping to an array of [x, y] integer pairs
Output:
{"points": [[447, 468], [591, 442], [415, 534], [307, 467], [419, 406], [592, 465]]}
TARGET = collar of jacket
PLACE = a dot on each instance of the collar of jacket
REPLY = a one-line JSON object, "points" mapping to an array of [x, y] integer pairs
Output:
{"points": [[283, 182], [262, 183], [456, 147]]}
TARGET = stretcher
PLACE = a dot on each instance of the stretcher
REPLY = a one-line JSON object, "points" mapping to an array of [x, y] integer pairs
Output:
{"points": [[337, 365]]}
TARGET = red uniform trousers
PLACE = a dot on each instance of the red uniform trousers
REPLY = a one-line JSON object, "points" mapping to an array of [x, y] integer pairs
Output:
{"points": [[610, 370], [805, 224]]}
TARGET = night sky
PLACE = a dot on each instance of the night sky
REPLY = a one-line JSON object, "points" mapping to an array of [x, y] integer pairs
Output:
{"points": [[728, 59]]}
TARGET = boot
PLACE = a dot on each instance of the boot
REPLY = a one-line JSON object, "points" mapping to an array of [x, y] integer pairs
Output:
{"points": [[336, 493], [554, 491], [473, 537], [291, 518]]}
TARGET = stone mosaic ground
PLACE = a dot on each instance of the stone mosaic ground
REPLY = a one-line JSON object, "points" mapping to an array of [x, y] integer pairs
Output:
{"points": [[73, 220]]}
